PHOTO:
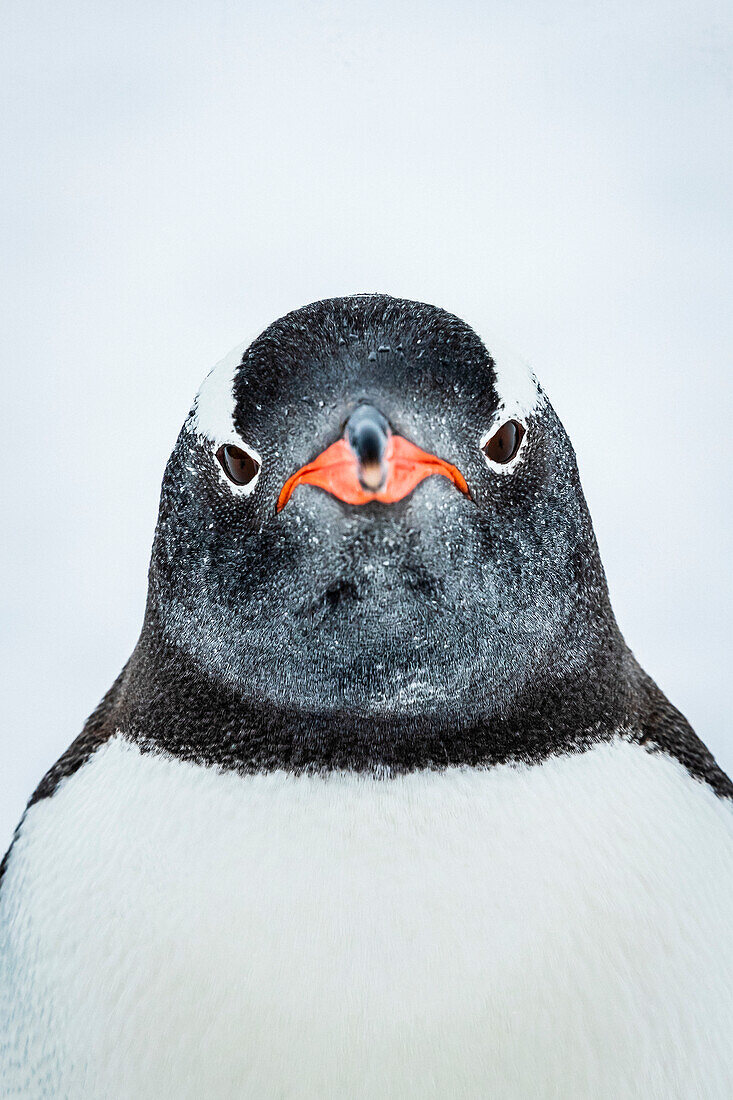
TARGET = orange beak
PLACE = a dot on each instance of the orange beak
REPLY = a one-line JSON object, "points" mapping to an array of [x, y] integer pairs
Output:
{"points": [[339, 471]]}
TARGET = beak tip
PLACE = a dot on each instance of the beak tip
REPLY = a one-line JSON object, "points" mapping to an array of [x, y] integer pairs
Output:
{"points": [[372, 476]]}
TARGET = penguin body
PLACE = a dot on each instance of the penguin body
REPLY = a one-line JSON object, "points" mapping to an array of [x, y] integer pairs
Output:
{"points": [[382, 804], [549, 930]]}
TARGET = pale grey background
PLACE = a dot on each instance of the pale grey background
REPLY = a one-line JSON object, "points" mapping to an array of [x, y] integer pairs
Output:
{"points": [[176, 175]]}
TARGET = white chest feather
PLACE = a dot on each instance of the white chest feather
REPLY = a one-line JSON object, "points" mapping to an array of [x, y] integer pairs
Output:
{"points": [[556, 931]]}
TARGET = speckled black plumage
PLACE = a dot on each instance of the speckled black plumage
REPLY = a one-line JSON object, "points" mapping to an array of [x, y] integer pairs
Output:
{"points": [[437, 631]]}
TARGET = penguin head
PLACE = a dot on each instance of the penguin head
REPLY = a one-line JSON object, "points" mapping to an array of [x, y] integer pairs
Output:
{"points": [[370, 511]]}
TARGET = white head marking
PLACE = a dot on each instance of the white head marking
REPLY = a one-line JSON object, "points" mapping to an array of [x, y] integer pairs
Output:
{"points": [[516, 386], [213, 409], [212, 417], [518, 393]]}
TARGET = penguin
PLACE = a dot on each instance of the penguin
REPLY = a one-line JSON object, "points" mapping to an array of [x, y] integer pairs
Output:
{"points": [[381, 805]]}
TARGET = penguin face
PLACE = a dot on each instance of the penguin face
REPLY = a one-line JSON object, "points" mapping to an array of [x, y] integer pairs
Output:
{"points": [[366, 512]]}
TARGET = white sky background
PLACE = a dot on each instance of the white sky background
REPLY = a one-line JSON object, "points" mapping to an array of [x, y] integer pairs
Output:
{"points": [[177, 175]]}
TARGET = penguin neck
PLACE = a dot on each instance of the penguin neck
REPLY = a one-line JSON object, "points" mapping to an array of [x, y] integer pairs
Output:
{"points": [[169, 703]]}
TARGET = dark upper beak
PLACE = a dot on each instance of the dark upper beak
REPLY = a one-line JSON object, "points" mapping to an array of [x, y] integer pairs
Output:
{"points": [[367, 432], [370, 462]]}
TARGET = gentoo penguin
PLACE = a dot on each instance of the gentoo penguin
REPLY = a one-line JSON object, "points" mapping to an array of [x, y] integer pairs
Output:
{"points": [[381, 805]]}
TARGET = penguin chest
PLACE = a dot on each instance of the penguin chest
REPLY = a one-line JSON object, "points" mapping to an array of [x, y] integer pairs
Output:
{"points": [[557, 930]]}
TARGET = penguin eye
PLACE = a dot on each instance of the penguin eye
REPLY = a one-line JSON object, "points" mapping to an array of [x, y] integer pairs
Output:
{"points": [[239, 466], [503, 445]]}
